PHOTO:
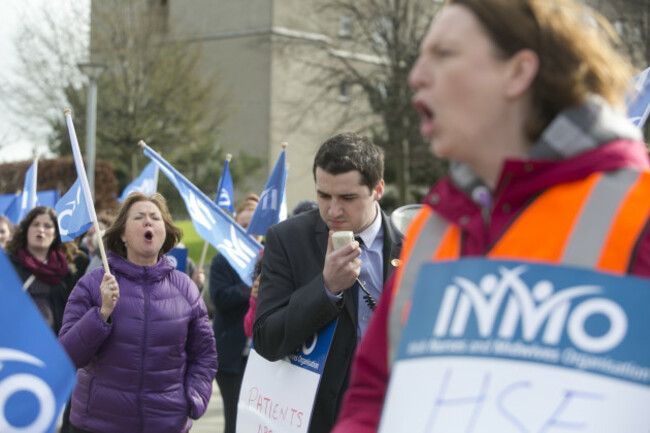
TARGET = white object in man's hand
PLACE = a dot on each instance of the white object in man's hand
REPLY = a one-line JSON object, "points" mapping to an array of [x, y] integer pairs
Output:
{"points": [[341, 239], [342, 265]]}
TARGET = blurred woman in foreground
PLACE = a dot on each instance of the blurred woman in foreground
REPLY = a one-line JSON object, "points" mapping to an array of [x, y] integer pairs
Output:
{"points": [[525, 97]]}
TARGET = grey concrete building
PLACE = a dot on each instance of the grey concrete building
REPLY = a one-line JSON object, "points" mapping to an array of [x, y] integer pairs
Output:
{"points": [[260, 49]]}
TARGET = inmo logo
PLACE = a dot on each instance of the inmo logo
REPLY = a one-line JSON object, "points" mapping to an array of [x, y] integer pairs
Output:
{"points": [[15, 383], [536, 309]]}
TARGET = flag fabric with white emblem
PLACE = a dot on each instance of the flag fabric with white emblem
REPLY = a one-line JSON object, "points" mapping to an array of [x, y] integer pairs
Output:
{"points": [[212, 223], [36, 375], [269, 210], [25, 200], [638, 107], [72, 213], [146, 182], [224, 197]]}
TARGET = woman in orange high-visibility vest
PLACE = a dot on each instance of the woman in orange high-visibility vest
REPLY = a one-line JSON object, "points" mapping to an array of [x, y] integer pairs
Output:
{"points": [[525, 98]]}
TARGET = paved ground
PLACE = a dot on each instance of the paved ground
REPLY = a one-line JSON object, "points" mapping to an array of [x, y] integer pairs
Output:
{"points": [[212, 421]]}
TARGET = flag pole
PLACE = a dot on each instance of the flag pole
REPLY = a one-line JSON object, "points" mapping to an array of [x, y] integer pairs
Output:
{"points": [[203, 254], [205, 243], [81, 174], [33, 198]]}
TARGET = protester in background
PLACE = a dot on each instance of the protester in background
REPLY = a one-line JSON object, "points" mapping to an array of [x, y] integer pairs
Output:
{"points": [[525, 97], [104, 220], [140, 337], [302, 206], [36, 253], [252, 300], [306, 284], [196, 274], [77, 258], [6, 231], [230, 297]]}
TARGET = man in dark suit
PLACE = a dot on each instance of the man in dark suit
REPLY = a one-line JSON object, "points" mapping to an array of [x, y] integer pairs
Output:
{"points": [[305, 283]]}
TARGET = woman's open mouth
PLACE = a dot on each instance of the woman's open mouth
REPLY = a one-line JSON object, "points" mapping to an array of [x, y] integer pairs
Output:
{"points": [[427, 117], [148, 235]]}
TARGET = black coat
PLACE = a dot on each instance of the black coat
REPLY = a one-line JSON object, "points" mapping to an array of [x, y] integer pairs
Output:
{"points": [[292, 304], [60, 291], [230, 297]]}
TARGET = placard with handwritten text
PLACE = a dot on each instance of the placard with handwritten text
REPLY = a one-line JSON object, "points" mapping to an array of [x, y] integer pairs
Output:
{"points": [[511, 347], [278, 397]]}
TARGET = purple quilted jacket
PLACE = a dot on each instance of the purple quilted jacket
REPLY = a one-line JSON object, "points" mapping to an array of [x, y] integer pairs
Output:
{"points": [[151, 368]]}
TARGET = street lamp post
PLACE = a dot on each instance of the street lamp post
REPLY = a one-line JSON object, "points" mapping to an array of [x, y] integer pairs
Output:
{"points": [[93, 70]]}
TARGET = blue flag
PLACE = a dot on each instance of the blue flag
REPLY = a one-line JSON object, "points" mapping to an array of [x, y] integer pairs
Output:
{"points": [[43, 198], [146, 182], [224, 197], [269, 211], [6, 200], [26, 199], [72, 213], [36, 375], [47, 198], [212, 223], [638, 108]]}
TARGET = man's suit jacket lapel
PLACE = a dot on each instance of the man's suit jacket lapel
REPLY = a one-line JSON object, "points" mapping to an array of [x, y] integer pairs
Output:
{"points": [[392, 246], [321, 233]]}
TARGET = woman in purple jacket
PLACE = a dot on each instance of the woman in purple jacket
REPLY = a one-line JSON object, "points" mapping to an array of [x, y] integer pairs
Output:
{"points": [[139, 336]]}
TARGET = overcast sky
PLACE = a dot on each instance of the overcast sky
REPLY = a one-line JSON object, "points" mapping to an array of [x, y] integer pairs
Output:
{"points": [[15, 146]]}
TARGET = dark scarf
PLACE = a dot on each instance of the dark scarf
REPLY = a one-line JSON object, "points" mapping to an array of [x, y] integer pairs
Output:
{"points": [[51, 272]]}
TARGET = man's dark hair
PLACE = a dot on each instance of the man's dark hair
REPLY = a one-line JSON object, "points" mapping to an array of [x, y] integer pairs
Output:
{"points": [[351, 151]]}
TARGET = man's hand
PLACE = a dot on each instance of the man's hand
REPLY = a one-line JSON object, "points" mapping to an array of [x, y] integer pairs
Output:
{"points": [[198, 277], [342, 266]]}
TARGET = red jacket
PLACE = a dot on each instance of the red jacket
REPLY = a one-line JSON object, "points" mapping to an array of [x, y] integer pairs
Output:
{"points": [[519, 181], [249, 318]]}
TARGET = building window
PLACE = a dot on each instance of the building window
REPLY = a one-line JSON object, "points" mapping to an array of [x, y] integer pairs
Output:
{"points": [[619, 26], [344, 92], [381, 89], [637, 32], [345, 26], [383, 34]]}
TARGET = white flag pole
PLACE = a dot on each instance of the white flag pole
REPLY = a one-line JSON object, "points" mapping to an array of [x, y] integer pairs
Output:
{"points": [[32, 203], [81, 174]]}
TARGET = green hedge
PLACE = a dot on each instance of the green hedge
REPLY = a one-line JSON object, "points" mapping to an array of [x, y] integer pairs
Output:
{"points": [[194, 243]]}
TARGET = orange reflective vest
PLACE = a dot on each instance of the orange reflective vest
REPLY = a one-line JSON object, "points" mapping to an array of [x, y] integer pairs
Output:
{"points": [[593, 223]]}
